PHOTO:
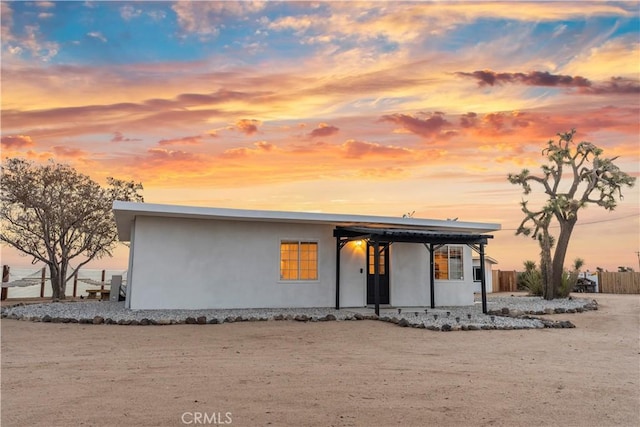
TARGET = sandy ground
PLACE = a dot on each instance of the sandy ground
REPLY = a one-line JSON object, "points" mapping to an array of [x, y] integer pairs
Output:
{"points": [[326, 374]]}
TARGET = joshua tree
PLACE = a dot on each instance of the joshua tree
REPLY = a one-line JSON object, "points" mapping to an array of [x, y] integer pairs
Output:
{"points": [[592, 179]]}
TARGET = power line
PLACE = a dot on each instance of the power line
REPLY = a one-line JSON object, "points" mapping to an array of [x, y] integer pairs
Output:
{"points": [[584, 223]]}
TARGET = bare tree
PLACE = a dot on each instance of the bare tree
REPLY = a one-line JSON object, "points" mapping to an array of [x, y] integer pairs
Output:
{"points": [[55, 214], [589, 178]]}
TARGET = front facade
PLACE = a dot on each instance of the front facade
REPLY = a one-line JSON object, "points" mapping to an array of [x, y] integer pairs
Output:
{"points": [[195, 258]]}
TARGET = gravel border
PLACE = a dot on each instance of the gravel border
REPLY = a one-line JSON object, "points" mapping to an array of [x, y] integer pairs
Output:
{"points": [[504, 313]]}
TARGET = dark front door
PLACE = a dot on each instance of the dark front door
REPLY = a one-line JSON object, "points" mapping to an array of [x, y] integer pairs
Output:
{"points": [[383, 271]]}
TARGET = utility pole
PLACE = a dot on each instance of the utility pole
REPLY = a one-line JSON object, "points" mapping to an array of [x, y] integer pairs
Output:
{"points": [[638, 253]]}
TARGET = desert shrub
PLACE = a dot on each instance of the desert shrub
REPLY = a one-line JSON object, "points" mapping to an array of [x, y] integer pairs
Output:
{"points": [[530, 279]]}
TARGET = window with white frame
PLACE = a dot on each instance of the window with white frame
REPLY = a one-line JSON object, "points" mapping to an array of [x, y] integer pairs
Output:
{"points": [[298, 260], [448, 263]]}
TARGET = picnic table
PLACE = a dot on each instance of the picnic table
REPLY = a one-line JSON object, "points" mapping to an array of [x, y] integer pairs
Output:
{"points": [[93, 293]]}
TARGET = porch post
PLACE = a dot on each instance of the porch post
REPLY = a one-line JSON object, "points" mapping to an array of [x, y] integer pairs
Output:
{"points": [[432, 275], [483, 289], [376, 274], [338, 273]]}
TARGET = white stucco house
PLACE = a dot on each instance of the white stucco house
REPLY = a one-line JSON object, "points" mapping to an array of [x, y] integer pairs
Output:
{"points": [[488, 273], [185, 257]]}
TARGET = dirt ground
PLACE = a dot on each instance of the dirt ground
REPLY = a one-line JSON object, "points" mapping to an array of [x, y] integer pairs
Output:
{"points": [[361, 373]]}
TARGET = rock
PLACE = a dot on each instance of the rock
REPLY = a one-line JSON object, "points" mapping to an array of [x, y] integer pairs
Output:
{"points": [[213, 321], [549, 311], [144, 321], [504, 311], [571, 310], [229, 319], [278, 317], [358, 316], [201, 320], [560, 310], [301, 318], [288, 317], [566, 324], [372, 317], [133, 322], [109, 321], [240, 319], [403, 322], [472, 328], [56, 320], [433, 328], [65, 320], [394, 320], [579, 310], [163, 322], [329, 317], [516, 313], [190, 321], [46, 318], [97, 320], [446, 327]]}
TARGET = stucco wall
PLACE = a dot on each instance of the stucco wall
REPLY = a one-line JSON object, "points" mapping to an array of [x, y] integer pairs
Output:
{"points": [[183, 263], [190, 264]]}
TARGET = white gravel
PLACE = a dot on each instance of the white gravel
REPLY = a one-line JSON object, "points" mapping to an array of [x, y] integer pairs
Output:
{"points": [[514, 313]]}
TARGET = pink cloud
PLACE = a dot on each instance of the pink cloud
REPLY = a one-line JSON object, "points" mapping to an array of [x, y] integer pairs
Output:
{"points": [[323, 130], [17, 141], [185, 140], [429, 126]]}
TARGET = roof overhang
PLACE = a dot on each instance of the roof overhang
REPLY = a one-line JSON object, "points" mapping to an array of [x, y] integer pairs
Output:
{"points": [[126, 212], [410, 235]]}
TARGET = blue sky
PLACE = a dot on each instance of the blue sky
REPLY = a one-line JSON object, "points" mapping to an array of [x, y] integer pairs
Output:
{"points": [[369, 107]]}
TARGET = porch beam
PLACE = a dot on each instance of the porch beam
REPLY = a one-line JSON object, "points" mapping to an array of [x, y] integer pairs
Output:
{"points": [[376, 275], [483, 289], [432, 275], [339, 246]]}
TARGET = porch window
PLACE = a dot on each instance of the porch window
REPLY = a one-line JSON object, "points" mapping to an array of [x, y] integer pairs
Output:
{"points": [[298, 260], [448, 263]]}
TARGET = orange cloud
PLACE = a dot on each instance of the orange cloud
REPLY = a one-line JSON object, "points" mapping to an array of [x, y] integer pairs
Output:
{"points": [[426, 125], [17, 141], [64, 151], [185, 140], [248, 126], [357, 149]]}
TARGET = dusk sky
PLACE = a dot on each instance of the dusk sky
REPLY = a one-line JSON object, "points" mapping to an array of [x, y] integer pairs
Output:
{"points": [[347, 107]]}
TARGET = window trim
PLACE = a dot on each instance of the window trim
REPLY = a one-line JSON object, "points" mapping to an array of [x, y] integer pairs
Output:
{"points": [[298, 241]]}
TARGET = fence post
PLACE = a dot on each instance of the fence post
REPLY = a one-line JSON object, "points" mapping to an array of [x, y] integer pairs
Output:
{"points": [[75, 283], [5, 279], [43, 278], [102, 285]]}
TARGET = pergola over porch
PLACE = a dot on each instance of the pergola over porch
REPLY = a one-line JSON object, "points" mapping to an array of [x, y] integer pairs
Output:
{"points": [[431, 239]]}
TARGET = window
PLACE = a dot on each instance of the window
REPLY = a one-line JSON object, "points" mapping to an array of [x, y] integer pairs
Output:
{"points": [[298, 260], [448, 263], [477, 274]]}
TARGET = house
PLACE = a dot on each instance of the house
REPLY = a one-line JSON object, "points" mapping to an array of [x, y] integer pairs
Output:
{"points": [[185, 257], [488, 273]]}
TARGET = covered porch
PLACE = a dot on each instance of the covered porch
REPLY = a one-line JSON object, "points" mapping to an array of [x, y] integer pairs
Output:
{"points": [[379, 238]]}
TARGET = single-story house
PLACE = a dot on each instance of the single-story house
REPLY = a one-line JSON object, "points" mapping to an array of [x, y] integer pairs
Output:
{"points": [[488, 273], [185, 257]]}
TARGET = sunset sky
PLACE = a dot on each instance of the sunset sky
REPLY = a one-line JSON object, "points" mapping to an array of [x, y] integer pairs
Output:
{"points": [[347, 107]]}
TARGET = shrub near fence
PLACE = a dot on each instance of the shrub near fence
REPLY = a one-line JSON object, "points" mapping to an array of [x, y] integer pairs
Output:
{"points": [[619, 282]]}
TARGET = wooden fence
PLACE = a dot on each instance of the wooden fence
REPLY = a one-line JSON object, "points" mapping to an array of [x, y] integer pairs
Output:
{"points": [[608, 282], [619, 282], [504, 281]]}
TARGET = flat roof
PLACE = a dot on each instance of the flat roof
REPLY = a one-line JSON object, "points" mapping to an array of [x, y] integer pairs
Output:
{"points": [[126, 212]]}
